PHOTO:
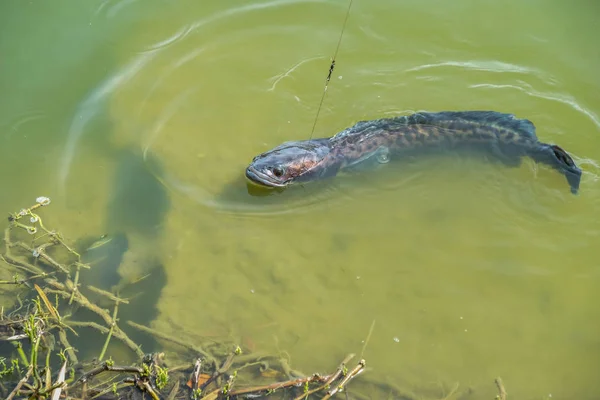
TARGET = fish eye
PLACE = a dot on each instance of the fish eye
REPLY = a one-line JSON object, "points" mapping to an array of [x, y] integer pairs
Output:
{"points": [[278, 171]]}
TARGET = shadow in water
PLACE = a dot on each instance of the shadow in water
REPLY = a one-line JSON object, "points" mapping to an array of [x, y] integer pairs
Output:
{"points": [[126, 258], [243, 197], [139, 201]]}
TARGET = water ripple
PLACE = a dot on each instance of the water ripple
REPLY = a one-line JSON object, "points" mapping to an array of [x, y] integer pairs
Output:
{"points": [[161, 78], [558, 97], [116, 8], [15, 125], [277, 78], [88, 109], [193, 54], [293, 201], [177, 36], [112, 9], [480, 65], [226, 202], [249, 8], [164, 117]]}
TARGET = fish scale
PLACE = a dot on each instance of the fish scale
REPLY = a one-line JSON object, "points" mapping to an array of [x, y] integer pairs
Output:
{"points": [[500, 135]]}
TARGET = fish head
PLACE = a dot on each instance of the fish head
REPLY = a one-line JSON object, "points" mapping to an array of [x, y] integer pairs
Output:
{"points": [[289, 163]]}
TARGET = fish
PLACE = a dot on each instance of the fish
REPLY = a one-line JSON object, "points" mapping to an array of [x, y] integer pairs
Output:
{"points": [[103, 255], [371, 143]]}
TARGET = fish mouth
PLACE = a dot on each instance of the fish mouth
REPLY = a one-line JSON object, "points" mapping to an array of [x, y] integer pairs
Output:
{"points": [[262, 179]]}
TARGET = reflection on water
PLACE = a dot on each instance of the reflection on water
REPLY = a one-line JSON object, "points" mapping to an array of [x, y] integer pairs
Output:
{"points": [[470, 270]]}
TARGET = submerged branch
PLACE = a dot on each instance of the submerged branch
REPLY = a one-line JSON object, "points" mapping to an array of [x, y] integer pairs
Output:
{"points": [[40, 253], [332, 378], [281, 385], [79, 298], [108, 295], [21, 383], [104, 367], [62, 335], [175, 340], [501, 389]]}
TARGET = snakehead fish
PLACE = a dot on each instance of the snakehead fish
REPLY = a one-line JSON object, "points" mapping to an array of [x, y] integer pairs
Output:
{"points": [[368, 143]]}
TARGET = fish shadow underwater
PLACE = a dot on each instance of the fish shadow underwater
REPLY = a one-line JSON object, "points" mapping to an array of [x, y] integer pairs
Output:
{"points": [[125, 259]]}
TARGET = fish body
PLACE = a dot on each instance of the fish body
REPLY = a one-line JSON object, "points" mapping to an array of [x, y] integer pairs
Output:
{"points": [[378, 141]]}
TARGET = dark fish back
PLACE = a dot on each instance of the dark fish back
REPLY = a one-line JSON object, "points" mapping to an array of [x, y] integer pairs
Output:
{"points": [[499, 136], [462, 120]]}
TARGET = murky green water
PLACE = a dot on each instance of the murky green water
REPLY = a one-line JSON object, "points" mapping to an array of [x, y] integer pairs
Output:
{"points": [[469, 270]]}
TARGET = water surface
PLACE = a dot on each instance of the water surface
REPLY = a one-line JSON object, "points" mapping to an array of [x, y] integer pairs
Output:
{"points": [[470, 270]]}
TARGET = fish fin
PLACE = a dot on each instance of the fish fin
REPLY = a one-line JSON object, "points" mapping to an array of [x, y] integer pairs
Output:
{"points": [[523, 127], [370, 161], [569, 168], [509, 160], [559, 159], [299, 143]]}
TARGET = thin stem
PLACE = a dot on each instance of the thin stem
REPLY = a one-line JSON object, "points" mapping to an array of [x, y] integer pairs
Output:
{"points": [[110, 332]]}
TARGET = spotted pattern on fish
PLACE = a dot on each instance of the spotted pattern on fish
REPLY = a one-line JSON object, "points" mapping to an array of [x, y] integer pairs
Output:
{"points": [[500, 134]]}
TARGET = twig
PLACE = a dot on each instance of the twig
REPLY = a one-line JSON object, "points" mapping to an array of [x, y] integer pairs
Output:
{"points": [[109, 295], [253, 358], [362, 353], [79, 298], [196, 373], [42, 254], [220, 370], [501, 389], [57, 236], [226, 364], [110, 331], [32, 269], [7, 242], [352, 374], [90, 324], [146, 386], [452, 391], [21, 382], [62, 291], [118, 333], [172, 339], [173, 391], [332, 378], [340, 369], [122, 384], [287, 370], [24, 280], [103, 368], [62, 336], [75, 283], [281, 385]]}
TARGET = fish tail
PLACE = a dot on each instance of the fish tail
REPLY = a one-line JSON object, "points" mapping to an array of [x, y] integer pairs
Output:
{"points": [[557, 158]]}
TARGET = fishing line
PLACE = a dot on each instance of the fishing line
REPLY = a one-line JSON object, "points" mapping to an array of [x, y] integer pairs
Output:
{"points": [[331, 67]]}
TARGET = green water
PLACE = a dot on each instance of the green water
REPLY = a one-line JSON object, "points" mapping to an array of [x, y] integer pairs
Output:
{"points": [[470, 270]]}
